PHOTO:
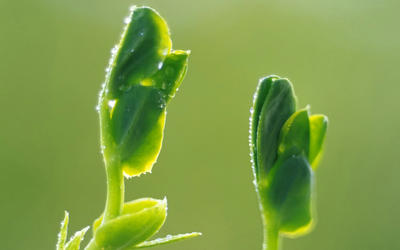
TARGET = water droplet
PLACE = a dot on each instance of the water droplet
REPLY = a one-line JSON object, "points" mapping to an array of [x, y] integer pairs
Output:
{"points": [[141, 33], [127, 20], [98, 108], [160, 65], [111, 103], [132, 50], [114, 50]]}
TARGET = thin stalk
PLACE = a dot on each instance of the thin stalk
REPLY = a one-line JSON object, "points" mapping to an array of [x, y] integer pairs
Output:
{"points": [[271, 236], [270, 227], [115, 190]]}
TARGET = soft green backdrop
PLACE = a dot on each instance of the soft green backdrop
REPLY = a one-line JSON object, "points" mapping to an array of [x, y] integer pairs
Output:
{"points": [[343, 57]]}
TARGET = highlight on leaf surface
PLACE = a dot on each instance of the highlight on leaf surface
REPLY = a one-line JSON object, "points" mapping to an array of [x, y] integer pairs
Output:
{"points": [[143, 75], [285, 147]]}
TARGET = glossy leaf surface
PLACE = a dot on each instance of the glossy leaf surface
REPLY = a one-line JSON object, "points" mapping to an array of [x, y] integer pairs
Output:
{"points": [[143, 75]]}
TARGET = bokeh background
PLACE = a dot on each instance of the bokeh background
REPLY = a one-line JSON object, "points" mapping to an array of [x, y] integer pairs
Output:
{"points": [[343, 57]]}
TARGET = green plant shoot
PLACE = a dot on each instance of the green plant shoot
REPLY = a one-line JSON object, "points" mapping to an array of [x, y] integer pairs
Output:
{"points": [[285, 148], [142, 77]]}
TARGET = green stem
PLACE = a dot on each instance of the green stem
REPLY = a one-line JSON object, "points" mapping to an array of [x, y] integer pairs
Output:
{"points": [[271, 235], [115, 190], [270, 227]]}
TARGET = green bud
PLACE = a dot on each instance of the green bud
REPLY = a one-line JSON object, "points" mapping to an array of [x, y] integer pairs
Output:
{"points": [[143, 75], [273, 104], [140, 219], [284, 144]]}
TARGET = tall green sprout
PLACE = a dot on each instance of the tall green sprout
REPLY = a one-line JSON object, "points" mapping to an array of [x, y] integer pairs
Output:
{"points": [[286, 147], [142, 77]]}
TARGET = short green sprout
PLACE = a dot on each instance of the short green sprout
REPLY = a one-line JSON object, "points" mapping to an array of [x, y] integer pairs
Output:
{"points": [[142, 77], [286, 147]]}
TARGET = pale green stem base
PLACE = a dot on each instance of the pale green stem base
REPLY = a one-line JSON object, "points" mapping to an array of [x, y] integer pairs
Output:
{"points": [[115, 191], [271, 239], [115, 196], [271, 236]]}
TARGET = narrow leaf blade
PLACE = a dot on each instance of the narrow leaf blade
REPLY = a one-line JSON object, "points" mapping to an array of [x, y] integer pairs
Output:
{"points": [[166, 240], [75, 242], [62, 235]]}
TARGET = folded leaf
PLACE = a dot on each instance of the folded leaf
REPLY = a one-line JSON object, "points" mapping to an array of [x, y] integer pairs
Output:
{"points": [[143, 47], [170, 76], [142, 77], [131, 208], [279, 105], [288, 197], [264, 85], [142, 220], [295, 135], [318, 127]]}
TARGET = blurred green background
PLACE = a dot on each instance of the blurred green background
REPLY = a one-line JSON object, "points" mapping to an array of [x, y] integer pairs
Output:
{"points": [[343, 57]]}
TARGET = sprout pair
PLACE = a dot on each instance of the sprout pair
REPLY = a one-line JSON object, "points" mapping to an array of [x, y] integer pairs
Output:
{"points": [[286, 146], [142, 77]]}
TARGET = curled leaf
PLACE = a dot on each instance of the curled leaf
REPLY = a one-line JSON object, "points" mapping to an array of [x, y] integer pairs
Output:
{"points": [[140, 220]]}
